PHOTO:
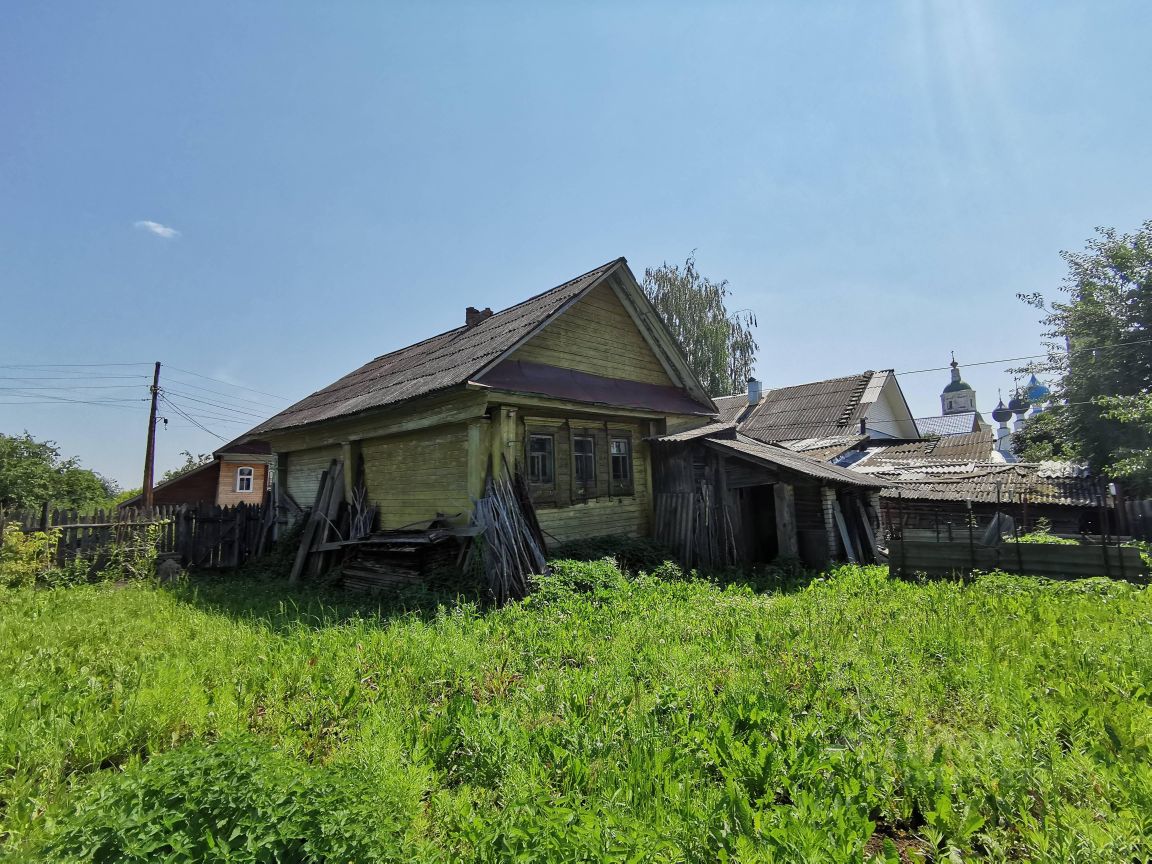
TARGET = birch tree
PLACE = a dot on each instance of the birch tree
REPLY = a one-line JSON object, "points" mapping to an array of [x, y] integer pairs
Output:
{"points": [[718, 344]]}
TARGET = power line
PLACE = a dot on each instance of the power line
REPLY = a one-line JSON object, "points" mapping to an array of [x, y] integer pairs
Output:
{"points": [[77, 377], [65, 365], [78, 387], [229, 383], [1029, 357], [117, 403], [195, 423], [244, 399], [232, 408]]}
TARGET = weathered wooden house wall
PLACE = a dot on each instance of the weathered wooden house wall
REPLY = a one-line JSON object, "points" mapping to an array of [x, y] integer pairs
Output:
{"points": [[596, 336], [411, 478]]}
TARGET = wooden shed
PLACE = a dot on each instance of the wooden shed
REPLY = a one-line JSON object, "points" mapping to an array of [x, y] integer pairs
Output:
{"points": [[723, 498]]}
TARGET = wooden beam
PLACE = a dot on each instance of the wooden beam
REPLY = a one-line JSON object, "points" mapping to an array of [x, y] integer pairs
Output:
{"points": [[479, 455], [787, 541]]}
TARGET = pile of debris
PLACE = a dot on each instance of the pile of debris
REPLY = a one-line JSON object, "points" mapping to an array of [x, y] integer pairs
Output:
{"points": [[509, 545], [503, 545]]}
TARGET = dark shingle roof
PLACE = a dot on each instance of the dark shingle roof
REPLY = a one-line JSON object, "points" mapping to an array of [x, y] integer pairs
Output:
{"points": [[782, 457], [817, 410], [443, 361]]}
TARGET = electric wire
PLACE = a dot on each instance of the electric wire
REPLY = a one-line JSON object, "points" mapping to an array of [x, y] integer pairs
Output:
{"points": [[231, 408], [229, 383], [199, 425]]}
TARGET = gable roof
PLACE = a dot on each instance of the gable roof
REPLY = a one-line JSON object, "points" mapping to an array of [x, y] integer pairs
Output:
{"points": [[822, 409], [465, 353]]}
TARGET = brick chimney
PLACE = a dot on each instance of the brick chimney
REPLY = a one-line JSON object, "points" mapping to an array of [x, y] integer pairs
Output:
{"points": [[473, 316]]}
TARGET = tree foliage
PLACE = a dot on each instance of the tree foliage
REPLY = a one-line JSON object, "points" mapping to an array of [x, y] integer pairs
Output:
{"points": [[32, 473], [1100, 348], [718, 344]]}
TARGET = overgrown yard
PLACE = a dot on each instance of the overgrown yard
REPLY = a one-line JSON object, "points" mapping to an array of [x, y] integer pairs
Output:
{"points": [[632, 720]]}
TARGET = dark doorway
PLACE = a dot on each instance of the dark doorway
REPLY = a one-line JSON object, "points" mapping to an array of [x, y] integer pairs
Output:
{"points": [[759, 523]]}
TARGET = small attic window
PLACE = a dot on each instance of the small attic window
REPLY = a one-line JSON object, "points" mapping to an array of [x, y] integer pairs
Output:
{"points": [[244, 479]]}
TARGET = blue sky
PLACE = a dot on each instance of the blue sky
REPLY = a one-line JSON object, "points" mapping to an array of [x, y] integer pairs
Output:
{"points": [[876, 181]]}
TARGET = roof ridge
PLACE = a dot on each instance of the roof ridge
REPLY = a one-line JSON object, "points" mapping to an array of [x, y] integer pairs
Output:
{"points": [[864, 379], [506, 309]]}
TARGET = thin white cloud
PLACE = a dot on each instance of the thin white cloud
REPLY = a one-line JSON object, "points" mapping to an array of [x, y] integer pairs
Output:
{"points": [[157, 229]]}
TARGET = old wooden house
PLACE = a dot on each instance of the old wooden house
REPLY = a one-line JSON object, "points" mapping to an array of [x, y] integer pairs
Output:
{"points": [[567, 386]]}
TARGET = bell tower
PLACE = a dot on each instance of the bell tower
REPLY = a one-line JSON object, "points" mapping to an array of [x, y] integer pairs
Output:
{"points": [[958, 396]]}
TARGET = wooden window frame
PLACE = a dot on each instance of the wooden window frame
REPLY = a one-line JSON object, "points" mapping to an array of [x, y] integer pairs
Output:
{"points": [[626, 484], [550, 483], [578, 458], [241, 477]]}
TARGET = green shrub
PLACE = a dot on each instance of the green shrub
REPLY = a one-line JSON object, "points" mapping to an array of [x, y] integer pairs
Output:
{"points": [[1042, 533], [631, 553], [237, 800], [24, 558]]}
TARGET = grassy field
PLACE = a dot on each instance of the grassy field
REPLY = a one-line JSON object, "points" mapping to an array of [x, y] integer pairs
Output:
{"points": [[850, 718]]}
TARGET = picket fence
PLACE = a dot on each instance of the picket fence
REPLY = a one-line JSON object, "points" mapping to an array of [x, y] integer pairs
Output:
{"points": [[204, 536]]}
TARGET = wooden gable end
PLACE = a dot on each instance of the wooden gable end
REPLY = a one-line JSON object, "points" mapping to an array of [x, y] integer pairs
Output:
{"points": [[597, 336]]}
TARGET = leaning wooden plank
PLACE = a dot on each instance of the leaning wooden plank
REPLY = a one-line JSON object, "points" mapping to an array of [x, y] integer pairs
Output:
{"points": [[326, 526], [309, 532], [867, 529], [849, 549]]}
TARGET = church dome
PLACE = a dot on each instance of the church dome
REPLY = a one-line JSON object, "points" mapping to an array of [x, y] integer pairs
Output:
{"points": [[1019, 406], [1001, 414], [956, 386], [1037, 392]]}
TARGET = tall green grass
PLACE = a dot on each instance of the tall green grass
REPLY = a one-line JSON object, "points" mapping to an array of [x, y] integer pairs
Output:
{"points": [[630, 720]]}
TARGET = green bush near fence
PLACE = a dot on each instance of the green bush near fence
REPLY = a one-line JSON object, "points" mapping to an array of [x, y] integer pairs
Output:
{"points": [[606, 718]]}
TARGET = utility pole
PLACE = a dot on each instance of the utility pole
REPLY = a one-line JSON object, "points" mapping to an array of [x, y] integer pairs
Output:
{"points": [[150, 452]]}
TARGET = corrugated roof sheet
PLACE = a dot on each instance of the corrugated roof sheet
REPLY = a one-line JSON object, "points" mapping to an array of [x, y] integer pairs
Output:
{"points": [[731, 406], [947, 424], [817, 410], [782, 457], [1061, 484], [969, 447], [824, 449], [443, 361], [719, 429]]}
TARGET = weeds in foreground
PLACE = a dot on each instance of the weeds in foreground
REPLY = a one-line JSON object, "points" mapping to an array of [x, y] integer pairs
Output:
{"points": [[604, 718]]}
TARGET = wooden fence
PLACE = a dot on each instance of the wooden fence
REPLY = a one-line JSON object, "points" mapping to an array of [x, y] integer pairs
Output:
{"points": [[908, 556], [1138, 518], [204, 537]]}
